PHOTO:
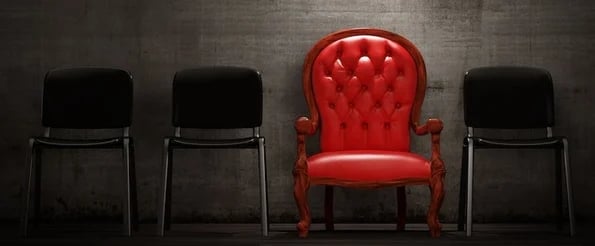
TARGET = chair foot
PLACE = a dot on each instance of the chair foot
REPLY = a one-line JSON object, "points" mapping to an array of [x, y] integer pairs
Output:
{"points": [[329, 227], [401, 226], [303, 228], [435, 227]]}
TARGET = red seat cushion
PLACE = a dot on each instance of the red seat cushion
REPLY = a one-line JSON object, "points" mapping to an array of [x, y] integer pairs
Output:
{"points": [[368, 165]]}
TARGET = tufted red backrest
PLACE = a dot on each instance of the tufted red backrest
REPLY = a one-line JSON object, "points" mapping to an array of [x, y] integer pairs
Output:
{"points": [[364, 84]]}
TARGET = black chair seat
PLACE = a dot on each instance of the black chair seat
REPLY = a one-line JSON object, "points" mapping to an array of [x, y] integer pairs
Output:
{"points": [[180, 142], [80, 143], [480, 142]]}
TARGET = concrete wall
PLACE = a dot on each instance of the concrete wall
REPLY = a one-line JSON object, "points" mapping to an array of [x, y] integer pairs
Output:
{"points": [[154, 38]]}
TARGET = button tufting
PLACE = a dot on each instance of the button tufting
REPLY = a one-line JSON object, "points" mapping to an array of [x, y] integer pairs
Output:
{"points": [[398, 105], [364, 49], [343, 125], [351, 105], [387, 125], [378, 104], [331, 105], [365, 125], [364, 87], [389, 88], [339, 88]]}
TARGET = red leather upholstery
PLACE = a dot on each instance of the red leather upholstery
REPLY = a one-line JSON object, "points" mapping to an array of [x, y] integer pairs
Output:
{"points": [[364, 87], [368, 165]]}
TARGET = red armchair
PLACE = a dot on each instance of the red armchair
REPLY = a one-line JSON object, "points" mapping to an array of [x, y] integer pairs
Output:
{"points": [[364, 89]]}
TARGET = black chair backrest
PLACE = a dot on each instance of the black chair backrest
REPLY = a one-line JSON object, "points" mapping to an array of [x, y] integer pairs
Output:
{"points": [[508, 97], [217, 97], [87, 98]]}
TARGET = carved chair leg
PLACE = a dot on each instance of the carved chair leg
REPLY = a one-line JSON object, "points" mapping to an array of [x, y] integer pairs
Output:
{"points": [[300, 193], [328, 208], [401, 208], [437, 192]]}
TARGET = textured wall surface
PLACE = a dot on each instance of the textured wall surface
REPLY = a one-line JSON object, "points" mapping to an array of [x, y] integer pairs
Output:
{"points": [[154, 38]]}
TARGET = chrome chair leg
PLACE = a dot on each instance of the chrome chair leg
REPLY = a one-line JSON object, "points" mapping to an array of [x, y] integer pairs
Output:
{"points": [[127, 193], [27, 193], [133, 190], [559, 196], [568, 181], [263, 187], [164, 189], [469, 189], [463, 189]]}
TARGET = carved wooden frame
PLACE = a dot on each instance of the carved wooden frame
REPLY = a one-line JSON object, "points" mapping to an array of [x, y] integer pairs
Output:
{"points": [[306, 126]]}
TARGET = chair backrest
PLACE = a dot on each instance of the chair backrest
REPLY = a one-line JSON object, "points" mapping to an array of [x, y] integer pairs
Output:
{"points": [[367, 87], [87, 98], [508, 97], [217, 97]]}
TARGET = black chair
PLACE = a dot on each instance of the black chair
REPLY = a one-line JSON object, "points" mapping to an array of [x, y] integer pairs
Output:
{"points": [[510, 97], [84, 98], [215, 97]]}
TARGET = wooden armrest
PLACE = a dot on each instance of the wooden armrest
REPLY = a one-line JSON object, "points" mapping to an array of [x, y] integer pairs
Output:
{"points": [[305, 126], [432, 126]]}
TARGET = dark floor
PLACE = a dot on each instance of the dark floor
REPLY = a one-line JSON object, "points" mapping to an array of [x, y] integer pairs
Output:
{"points": [[284, 234]]}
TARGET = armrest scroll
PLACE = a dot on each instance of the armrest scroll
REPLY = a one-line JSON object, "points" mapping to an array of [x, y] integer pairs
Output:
{"points": [[433, 126], [303, 127]]}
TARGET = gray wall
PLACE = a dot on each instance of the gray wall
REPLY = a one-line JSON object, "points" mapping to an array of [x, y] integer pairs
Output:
{"points": [[154, 38]]}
